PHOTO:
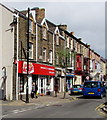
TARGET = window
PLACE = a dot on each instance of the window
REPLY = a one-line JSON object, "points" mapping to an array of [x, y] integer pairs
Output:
{"points": [[71, 44], [44, 33], [50, 56], [44, 54], [67, 42], [30, 26], [57, 39], [91, 84], [57, 59], [31, 50]]}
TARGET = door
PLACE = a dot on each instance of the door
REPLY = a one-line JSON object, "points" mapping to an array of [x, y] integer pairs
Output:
{"points": [[42, 85]]}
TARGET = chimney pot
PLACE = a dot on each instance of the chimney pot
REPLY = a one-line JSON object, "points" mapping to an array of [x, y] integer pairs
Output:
{"points": [[72, 33]]}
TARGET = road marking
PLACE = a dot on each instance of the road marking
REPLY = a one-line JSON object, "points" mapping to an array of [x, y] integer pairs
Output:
{"points": [[98, 109]]}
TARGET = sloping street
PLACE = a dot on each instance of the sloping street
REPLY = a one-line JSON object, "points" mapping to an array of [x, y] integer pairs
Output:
{"points": [[78, 108]]}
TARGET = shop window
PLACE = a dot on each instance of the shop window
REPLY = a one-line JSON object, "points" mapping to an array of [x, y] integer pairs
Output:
{"points": [[30, 50], [21, 85]]}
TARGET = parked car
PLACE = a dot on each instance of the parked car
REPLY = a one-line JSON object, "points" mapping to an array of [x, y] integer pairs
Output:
{"points": [[94, 88], [76, 89]]}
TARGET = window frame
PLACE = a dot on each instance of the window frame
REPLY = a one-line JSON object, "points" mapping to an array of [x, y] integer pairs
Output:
{"points": [[44, 32], [50, 56], [31, 50]]}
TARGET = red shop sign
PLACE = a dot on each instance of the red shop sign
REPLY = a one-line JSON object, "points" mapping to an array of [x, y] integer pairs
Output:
{"points": [[35, 68]]}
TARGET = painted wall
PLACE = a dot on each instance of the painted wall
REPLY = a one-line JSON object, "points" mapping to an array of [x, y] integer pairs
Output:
{"points": [[7, 48]]}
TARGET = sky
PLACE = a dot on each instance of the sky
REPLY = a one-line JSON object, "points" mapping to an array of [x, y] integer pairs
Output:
{"points": [[85, 18]]}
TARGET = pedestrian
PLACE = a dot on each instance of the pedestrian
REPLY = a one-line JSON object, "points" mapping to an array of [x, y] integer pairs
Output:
{"points": [[56, 89], [34, 90]]}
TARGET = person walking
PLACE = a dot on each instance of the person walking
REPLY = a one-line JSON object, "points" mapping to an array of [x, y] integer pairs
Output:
{"points": [[34, 90], [56, 89]]}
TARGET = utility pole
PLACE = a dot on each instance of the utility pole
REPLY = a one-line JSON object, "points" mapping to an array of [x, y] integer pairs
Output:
{"points": [[65, 84], [27, 87]]}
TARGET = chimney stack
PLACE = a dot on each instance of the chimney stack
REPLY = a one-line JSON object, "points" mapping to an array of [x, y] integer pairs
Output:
{"points": [[40, 14], [64, 27], [80, 39]]}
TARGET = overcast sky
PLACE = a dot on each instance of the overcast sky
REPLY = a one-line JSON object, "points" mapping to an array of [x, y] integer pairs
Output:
{"points": [[85, 19]]}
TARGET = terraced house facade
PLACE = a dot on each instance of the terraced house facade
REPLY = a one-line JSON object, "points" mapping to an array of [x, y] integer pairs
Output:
{"points": [[56, 56]]}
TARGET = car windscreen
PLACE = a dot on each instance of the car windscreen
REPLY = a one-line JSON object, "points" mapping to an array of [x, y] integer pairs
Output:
{"points": [[91, 84], [76, 86]]}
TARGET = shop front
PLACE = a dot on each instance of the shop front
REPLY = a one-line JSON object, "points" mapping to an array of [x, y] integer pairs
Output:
{"points": [[42, 75], [70, 78]]}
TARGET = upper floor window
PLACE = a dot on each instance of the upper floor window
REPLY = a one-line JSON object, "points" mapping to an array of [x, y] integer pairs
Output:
{"points": [[57, 58], [30, 26], [50, 56], [71, 44], [31, 50], [68, 42], [44, 33], [57, 39], [44, 54]]}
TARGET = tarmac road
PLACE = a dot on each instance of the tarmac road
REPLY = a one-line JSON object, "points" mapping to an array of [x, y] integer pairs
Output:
{"points": [[81, 108]]}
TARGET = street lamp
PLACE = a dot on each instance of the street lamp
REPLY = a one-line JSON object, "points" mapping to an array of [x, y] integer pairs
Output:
{"points": [[27, 87]]}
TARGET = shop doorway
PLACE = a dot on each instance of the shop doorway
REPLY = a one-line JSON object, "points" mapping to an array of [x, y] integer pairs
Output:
{"points": [[42, 86]]}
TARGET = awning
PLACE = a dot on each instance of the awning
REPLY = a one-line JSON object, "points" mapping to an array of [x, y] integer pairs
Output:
{"points": [[35, 68]]}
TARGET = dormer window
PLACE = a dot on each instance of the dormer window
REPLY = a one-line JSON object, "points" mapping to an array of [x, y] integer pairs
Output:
{"points": [[44, 33]]}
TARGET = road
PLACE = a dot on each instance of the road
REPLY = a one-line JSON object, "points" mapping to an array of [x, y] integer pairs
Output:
{"points": [[81, 108]]}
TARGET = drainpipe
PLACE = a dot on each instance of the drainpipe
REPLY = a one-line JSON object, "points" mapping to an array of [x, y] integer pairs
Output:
{"points": [[17, 57], [53, 51], [36, 42]]}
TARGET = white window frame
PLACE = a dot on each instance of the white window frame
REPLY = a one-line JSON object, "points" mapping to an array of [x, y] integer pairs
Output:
{"points": [[68, 41], [57, 39], [31, 50], [30, 26], [72, 44], [50, 56], [44, 31]]}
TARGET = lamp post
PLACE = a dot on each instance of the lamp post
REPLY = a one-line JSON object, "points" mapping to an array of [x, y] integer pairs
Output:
{"points": [[27, 87]]}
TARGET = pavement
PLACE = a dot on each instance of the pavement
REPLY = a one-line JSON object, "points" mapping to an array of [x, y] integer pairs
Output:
{"points": [[46, 99], [41, 101]]}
